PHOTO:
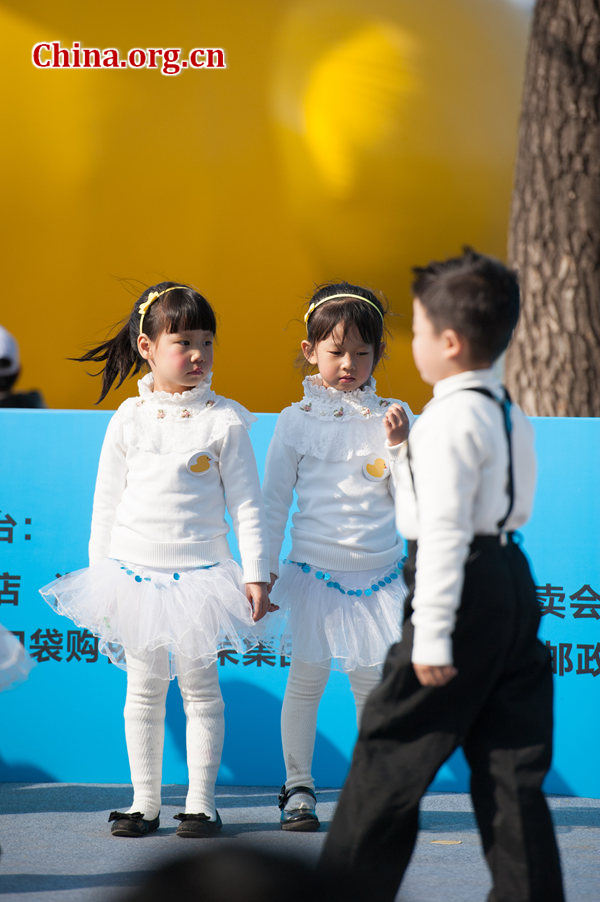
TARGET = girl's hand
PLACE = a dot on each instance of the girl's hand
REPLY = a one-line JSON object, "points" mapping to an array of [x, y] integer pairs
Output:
{"points": [[396, 425], [274, 579], [257, 595], [431, 675]]}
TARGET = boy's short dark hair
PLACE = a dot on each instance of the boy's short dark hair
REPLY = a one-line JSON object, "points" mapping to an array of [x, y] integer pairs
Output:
{"points": [[475, 295]]}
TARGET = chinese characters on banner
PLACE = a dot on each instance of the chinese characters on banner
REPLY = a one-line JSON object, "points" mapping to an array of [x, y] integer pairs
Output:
{"points": [[49, 644], [584, 604], [7, 528], [259, 657]]}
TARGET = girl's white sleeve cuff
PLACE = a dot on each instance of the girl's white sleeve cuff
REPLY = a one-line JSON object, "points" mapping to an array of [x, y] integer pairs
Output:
{"points": [[395, 451], [274, 567], [256, 571]]}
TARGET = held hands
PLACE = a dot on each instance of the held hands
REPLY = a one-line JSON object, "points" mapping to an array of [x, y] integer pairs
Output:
{"points": [[258, 596], [396, 425], [434, 675]]}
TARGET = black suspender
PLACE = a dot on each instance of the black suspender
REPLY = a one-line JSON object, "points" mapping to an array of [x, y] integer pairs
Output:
{"points": [[505, 405]]}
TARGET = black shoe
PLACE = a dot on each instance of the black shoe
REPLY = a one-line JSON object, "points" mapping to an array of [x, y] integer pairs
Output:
{"points": [[133, 824], [197, 826], [301, 819]]}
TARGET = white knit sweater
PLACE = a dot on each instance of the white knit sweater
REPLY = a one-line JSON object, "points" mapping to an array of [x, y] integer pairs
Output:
{"points": [[460, 462], [169, 467], [330, 448]]}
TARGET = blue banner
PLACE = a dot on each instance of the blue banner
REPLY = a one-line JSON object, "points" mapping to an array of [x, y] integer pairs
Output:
{"points": [[65, 723]]}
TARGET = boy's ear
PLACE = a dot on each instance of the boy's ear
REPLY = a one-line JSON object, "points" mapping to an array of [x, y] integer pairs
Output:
{"points": [[454, 344], [143, 345], [308, 351]]}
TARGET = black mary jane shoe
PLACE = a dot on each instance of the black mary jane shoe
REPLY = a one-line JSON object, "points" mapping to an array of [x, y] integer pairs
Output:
{"points": [[197, 826], [134, 824], [301, 819]]}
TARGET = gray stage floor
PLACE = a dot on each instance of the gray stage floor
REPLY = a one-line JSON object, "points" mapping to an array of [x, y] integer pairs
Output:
{"points": [[56, 843]]}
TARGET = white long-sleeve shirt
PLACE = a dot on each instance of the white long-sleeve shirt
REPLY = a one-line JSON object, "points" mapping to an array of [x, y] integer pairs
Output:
{"points": [[459, 457], [170, 465], [330, 449]]}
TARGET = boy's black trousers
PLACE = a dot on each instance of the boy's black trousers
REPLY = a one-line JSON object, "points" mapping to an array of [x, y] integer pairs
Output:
{"points": [[498, 707]]}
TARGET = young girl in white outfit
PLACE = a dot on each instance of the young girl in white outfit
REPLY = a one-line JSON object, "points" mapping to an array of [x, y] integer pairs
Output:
{"points": [[162, 591], [341, 586]]}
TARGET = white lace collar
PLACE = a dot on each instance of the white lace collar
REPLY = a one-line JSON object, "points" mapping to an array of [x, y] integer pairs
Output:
{"points": [[161, 422], [330, 403], [334, 425], [200, 396]]}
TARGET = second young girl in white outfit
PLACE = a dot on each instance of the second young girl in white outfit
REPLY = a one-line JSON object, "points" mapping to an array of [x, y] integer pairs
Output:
{"points": [[341, 585], [162, 591]]}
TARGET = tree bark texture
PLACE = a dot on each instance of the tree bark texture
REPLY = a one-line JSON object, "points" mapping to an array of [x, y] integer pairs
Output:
{"points": [[553, 363]]}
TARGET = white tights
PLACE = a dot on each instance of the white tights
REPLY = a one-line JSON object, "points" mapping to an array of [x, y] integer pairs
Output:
{"points": [[305, 686], [145, 731]]}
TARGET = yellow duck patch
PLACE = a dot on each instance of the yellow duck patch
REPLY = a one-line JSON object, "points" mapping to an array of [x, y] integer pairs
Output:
{"points": [[199, 463], [376, 470]]}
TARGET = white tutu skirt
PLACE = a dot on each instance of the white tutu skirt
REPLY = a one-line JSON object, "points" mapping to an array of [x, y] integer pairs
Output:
{"points": [[347, 617], [15, 663], [192, 613]]}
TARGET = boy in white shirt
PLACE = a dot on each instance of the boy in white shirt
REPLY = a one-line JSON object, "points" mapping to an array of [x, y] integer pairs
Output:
{"points": [[469, 670]]}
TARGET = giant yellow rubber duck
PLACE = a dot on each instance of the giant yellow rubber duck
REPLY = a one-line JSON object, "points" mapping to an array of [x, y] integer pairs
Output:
{"points": [[346, 139]]}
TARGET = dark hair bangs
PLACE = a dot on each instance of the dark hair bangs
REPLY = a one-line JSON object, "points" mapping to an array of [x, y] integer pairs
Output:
{"points": [[181, 310], [347, 313], [178, 309]]}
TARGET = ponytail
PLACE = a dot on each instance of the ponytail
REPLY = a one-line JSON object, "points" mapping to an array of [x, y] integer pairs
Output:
{"points": [[169, 307], [119, 356]]}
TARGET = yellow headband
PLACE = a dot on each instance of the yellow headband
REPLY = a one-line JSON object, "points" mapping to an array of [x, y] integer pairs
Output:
{"points": [[143, 308], [332, 297]]}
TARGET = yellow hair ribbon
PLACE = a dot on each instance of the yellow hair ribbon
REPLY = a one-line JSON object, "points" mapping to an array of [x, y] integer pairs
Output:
{"points": [[332, 297], [143, 308]]}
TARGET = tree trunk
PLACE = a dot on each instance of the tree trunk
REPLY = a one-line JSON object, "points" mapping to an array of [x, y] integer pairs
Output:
{"points": [[553, 363]]}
